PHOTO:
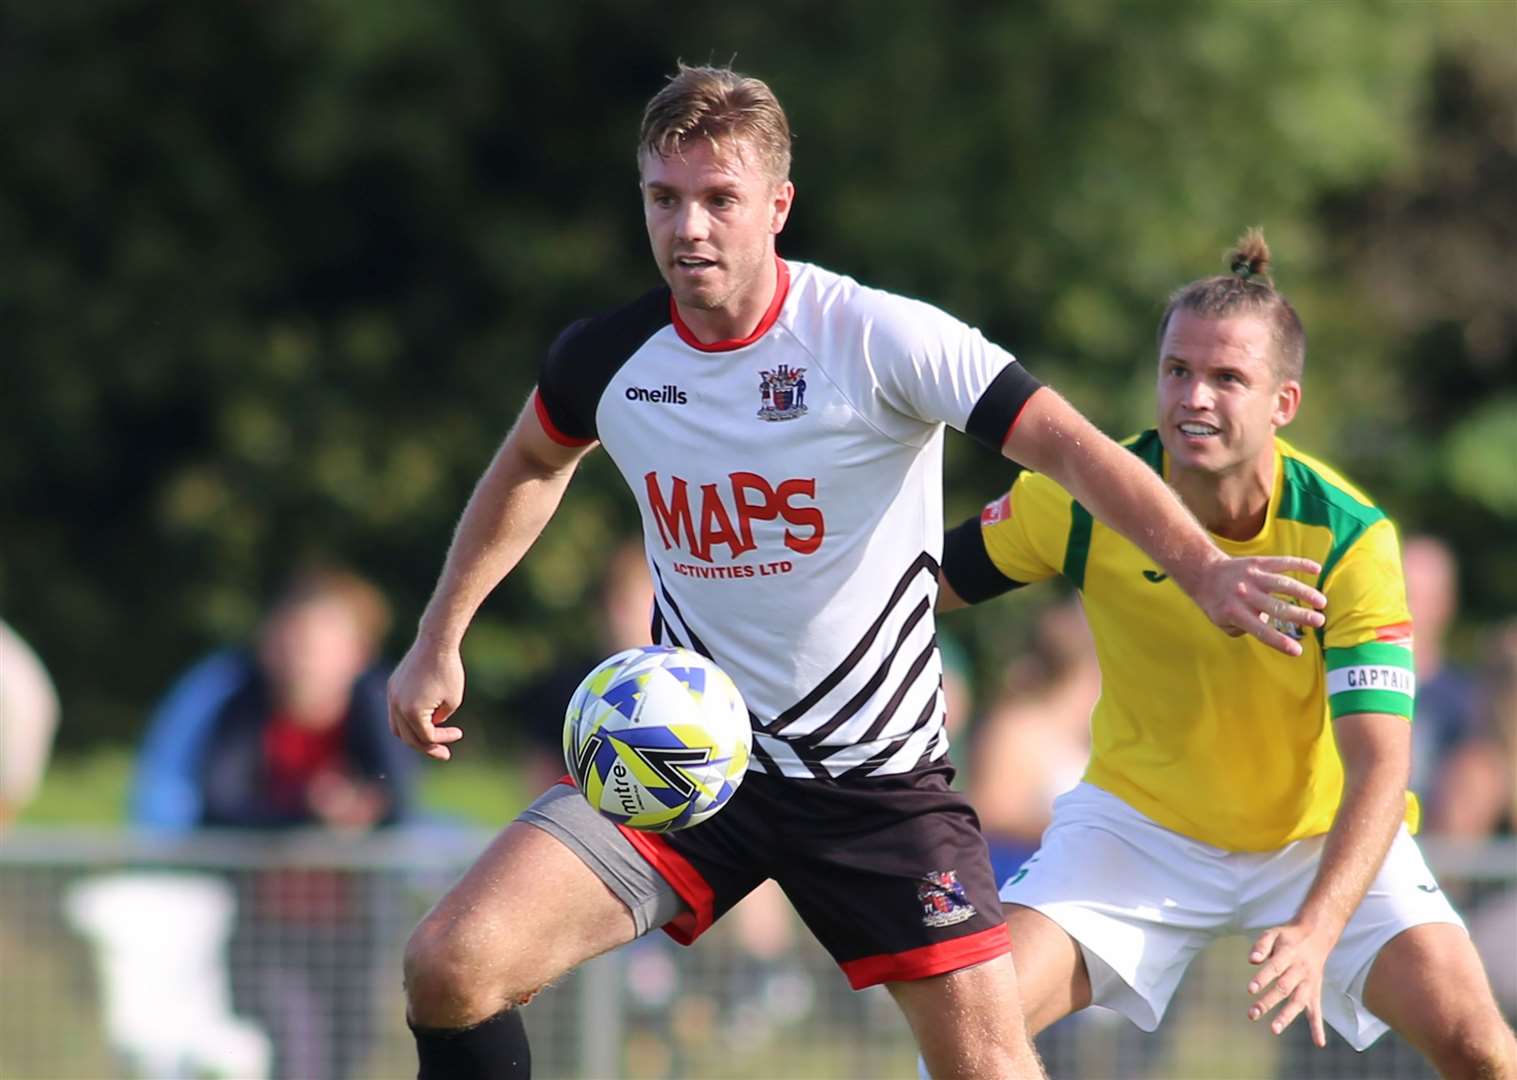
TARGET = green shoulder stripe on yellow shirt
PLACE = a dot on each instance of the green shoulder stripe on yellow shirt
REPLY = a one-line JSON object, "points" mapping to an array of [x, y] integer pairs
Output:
{"points": [[1148, 447], [1077, 549], [1310, 498]]}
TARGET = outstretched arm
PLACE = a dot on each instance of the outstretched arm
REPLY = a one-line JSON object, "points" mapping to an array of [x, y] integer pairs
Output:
{"points": [[1377, 758], [1239, 595], [512, 502]]}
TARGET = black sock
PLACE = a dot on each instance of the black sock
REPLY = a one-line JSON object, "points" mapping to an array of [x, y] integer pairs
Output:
{"points": [[493, 1049]]}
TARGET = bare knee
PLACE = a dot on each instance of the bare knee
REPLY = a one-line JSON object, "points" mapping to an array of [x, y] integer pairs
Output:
{"points": [[1481, 1048], [455, 977]]}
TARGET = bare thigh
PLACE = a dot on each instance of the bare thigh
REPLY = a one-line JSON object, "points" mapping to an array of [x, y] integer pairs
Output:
{"points": [[969, 1023], [1429, 985], [1051, 974], [528, 911]]}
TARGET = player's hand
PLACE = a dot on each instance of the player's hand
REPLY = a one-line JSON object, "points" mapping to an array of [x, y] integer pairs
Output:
{"points": [[1248, 596], [423, 692], [1291, 960]]}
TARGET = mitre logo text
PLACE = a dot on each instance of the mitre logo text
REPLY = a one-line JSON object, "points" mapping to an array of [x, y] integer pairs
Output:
{"points": [[664, 395], [716, 520]]}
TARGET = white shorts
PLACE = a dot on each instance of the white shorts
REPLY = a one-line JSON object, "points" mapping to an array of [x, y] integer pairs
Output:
{"points": [[1142, 900]]}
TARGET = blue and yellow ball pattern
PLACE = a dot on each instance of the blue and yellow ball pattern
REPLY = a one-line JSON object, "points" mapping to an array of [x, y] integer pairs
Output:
{"points": [[657, 738]]}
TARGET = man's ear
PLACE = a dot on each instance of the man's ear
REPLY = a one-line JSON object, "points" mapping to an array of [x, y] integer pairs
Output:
{"points": [[780, 203], [1287, 401]]}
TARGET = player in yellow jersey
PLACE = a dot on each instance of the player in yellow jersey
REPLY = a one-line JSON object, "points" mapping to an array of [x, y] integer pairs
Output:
{"points": [[1231, 788]]}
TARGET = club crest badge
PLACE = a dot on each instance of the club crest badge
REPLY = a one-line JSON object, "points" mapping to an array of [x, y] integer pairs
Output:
{"points": [[997, 511], [782, 393], [943, 899]]}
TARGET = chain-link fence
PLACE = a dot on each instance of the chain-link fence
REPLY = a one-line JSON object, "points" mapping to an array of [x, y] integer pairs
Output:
{"points": [[234, 956]]}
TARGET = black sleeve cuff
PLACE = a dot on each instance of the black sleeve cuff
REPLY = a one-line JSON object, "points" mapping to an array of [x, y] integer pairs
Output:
{"points": [[999, 406], [967, 565]]}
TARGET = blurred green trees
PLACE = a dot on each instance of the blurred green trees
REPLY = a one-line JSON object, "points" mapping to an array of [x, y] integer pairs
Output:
{"points": [[278, 275]]}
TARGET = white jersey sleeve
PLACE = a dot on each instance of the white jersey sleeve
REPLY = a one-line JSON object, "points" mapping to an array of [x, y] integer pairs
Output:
{"points": [[927, 363], [908, 366]]}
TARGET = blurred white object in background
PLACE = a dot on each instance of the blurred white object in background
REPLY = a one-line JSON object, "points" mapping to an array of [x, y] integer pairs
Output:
{"points": [[28, 721], [160, 951]]}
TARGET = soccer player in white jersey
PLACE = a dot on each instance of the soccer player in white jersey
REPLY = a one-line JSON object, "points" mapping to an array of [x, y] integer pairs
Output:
{"points": [[781, 429], [1230, 790]]}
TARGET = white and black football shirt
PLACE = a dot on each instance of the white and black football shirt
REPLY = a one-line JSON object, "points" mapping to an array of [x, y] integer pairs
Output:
{"points": [[791, 494]]}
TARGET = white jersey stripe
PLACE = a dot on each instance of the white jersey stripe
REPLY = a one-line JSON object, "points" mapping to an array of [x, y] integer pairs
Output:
{"points": [[923, 562], [914, 748], [818, 731], [913, 679], [882, 750], [911, 704], [779, 752], [695, 642], [907, 629]]}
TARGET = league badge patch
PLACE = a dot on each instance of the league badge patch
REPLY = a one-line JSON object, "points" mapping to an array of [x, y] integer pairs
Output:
{"points": [[1289, 629], [782, 393], [944, 902]]}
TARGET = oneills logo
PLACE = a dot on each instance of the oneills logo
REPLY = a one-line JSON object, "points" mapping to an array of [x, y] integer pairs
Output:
{"points": [[664, 395]]}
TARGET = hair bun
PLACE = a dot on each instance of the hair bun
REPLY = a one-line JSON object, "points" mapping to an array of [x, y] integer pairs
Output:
{"points": [[1249, 258]]}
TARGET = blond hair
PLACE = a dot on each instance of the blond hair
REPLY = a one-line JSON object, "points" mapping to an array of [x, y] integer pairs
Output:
{"points": [[718, 105]]}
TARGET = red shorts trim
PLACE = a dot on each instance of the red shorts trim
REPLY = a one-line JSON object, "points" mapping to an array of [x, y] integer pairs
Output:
{"points": [[683, 878], [550, 428], [921, 963]]}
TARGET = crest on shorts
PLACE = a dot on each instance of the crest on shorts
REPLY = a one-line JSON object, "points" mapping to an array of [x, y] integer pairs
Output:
{"points": [[943, 899], [782, 393]]}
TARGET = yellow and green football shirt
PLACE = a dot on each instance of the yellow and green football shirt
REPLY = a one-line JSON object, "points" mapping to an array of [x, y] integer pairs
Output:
{"points": [[1219, 738]]}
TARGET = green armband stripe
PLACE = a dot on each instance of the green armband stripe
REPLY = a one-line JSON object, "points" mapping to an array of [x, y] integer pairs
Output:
{"points": [[1375, 701], [1371, 652]]}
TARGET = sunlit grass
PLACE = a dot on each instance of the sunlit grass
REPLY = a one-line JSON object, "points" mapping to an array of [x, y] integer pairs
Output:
{"points": [[92, 789]]}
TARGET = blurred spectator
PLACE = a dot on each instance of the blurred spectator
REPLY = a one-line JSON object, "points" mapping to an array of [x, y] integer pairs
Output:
{"points": [[1446, 695], [292, 732], [624, 621], [1478, 781], [1033, 742], [28, 719], [1476, 784], [958, 685]]}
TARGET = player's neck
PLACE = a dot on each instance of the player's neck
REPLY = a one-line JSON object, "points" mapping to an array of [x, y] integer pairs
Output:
{"points": [[1233, 504], [739, 317]]}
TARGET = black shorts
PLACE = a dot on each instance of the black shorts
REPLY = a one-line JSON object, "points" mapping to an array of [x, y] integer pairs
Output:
{"points": [[890, 873]]}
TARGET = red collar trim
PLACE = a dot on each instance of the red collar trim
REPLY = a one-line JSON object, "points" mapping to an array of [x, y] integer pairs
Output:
{"points": [[781, 290]]}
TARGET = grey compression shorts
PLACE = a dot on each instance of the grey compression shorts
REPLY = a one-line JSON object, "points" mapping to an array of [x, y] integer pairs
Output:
{"points": [[563, 814]]}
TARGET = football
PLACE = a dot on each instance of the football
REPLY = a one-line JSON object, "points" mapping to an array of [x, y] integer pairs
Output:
{"points": [[657, 738]]}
